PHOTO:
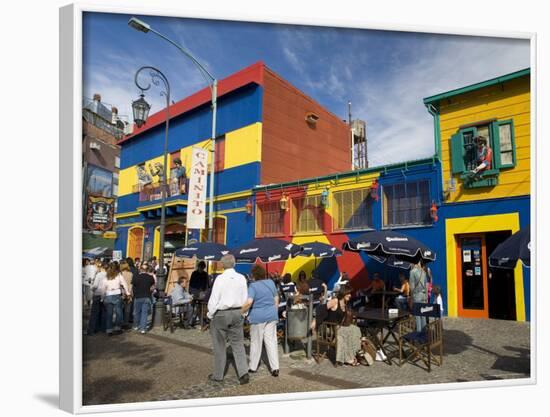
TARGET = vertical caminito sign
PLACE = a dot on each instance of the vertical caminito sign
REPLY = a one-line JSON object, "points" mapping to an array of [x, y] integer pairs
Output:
{"points": [[196, 206]]}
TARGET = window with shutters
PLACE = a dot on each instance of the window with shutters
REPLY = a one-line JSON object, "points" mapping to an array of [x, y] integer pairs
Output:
{"points": [[269, 219], [352, 209], [307, 214], [406, 204], [464, 154]]}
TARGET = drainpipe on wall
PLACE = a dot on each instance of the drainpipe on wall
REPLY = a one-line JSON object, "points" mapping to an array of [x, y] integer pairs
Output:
{"points": [[437, 142]]}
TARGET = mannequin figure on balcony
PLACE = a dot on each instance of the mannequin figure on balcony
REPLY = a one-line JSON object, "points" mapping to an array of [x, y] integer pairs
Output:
{"points": [[181, 175], [143, 176], [157, 170], [484, 158]]}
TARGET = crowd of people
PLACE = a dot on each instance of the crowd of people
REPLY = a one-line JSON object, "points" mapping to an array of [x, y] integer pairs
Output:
{"points": [[121, 295]]}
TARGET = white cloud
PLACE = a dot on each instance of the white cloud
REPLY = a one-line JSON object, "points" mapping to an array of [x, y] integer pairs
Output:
{"points": [[399, 127]]}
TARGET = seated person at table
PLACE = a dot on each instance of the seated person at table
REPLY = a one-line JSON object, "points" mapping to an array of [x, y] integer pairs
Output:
{"points": [[302, 288], [343, 279], [402, 300], [181, 300], [337, 310], [376, 286], [287, 287], [317, 288]]}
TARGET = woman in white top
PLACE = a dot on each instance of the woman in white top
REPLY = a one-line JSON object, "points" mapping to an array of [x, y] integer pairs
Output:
{"points": [[97, 313], [113, 288]]}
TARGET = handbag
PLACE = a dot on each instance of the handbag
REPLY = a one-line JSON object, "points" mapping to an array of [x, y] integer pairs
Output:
{"points": [[369, 350]]}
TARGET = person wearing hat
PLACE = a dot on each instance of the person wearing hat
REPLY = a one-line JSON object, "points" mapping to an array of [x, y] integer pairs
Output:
{"points": [[484, 156]]}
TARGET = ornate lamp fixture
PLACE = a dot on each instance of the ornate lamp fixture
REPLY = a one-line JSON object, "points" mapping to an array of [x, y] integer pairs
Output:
{"points": [[140, 108], [283, 203], [324, 198], [249, 207], [374, 190], [433, 212]]}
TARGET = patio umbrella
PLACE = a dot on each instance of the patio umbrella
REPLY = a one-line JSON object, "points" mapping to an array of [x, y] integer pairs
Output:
{"points": [[207, 251], [319, 250], [386, 243], [517, 246], [265, 250]]}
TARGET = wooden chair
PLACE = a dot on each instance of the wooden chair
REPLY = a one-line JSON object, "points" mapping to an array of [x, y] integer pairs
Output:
{"points": [[327, 336], [167, 315], [425, 345]]}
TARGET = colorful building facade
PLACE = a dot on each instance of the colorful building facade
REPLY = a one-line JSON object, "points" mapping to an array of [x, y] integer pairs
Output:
{"points": [[481, 213], [275, 180], [436, 200], [267, 131]]}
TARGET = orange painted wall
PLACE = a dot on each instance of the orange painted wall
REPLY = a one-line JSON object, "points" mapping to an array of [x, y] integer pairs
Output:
{"points": [[293, 149]]}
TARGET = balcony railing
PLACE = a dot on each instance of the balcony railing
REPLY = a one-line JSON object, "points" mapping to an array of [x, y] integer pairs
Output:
{"points": [[153, 191]]}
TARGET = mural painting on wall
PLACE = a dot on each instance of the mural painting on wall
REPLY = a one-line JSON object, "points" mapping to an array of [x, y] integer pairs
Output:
{"points": [[99, 215]]}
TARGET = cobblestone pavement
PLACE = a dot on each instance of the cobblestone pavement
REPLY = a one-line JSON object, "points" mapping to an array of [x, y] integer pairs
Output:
{"points": [[162, 366]]}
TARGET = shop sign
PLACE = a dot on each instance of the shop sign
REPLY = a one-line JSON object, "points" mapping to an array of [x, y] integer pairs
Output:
{"points": [[117, 255], [99, 213], [196, 207], [109, 235]]}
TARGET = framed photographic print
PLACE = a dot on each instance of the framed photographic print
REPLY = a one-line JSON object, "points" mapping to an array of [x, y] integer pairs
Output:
{"points": [[260, 210]]}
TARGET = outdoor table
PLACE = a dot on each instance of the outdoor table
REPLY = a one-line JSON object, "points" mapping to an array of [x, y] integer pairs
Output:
{"points": [[384, 294], [379, 319]]}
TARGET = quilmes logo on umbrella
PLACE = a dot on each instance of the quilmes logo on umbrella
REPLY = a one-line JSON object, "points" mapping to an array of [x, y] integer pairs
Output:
{"points": [[191, 249], [426, 309], [323, 253], [363, 245], [273, 258], [206, 258], [248, 250], [396, 239], [289, 246]]}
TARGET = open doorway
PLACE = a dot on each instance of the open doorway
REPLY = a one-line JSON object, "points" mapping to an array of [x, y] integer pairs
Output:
{"points": [[501, 289]]}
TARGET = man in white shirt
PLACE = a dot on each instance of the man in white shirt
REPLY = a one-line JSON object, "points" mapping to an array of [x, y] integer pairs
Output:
{"points": [[228, 295]]}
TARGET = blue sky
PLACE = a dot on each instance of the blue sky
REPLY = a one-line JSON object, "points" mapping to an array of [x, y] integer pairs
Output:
{"points": [[385, 74]]}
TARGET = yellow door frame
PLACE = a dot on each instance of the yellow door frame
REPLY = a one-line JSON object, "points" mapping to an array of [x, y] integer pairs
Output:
{"points": [[479, 224], [142, 240]]}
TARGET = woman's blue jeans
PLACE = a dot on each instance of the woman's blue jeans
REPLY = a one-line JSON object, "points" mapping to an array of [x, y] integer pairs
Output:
{"points": [[113, 303]]}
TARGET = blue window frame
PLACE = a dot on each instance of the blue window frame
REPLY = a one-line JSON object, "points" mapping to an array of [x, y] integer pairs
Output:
{"points": [[406, 204]]}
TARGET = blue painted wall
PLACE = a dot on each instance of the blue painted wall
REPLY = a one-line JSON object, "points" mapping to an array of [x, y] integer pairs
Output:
{"points": [[237, 109]]}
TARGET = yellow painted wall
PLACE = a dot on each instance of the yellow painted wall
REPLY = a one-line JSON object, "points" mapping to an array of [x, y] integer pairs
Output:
{"points": [[503, 102], [479, 224], [242, 146]]}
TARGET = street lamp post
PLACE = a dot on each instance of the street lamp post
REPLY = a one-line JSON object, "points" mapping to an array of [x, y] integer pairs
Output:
{"points": [[141, 111], [212, 82]]}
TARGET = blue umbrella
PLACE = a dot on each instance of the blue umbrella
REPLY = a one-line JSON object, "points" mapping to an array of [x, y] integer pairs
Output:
{"points": [[517, 246], [319, 250], [265, 250], [385, 243], [206, 251]]}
